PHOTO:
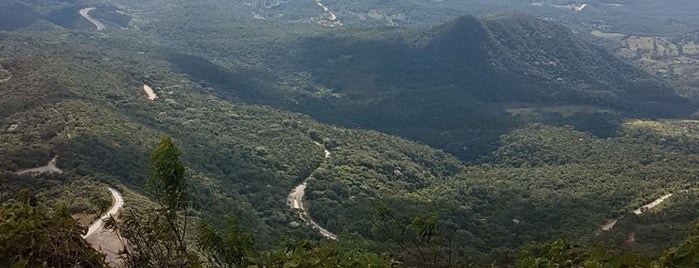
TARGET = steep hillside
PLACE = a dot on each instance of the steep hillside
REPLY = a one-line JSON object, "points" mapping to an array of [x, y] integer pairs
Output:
{"points": [[471, 72], [470, 89], [80, 97], [457, 86]]}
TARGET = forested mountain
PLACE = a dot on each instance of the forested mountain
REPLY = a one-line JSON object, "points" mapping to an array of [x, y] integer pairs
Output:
{"points": [[456, 86], [482, 135]]}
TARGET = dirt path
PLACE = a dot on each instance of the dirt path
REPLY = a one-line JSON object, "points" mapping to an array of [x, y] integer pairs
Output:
{"points": [[650, 205], [610, 223], [48, 168], [332, 19], [295, 202], [84, 12], [106, 241]]}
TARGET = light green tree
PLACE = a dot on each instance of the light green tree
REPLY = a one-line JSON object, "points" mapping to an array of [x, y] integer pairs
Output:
{"points": [[156, 237]]}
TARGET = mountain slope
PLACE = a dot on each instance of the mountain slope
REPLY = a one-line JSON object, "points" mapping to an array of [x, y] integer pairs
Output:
{"points": [[443, 85], [456, 86], [79, 95]]}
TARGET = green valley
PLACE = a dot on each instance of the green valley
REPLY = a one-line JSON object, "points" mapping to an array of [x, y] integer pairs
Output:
{"points": [[394, 135]]}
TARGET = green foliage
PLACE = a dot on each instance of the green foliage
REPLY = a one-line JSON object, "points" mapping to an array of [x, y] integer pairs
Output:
{"points": [[427, 85], [232, 248], [419, 240], [685, 254], [557, 254], [157, 237], [32, 235], [303, 253], [168, 181], [55, 188], [561, 253]]}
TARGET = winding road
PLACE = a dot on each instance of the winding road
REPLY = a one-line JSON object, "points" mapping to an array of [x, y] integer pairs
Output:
{"points": [[332, 19], [117, 203], [331, 15], [100, 239], [295, 202], [104, 240], [84, 12]]}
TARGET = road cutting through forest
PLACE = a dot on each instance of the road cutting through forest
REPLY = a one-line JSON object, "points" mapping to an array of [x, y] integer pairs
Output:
{"points": [[610, 223], [99, 238], [104, 240], [117, 203], [331, 20], [295, 202], [48, 168], [84, 13]]}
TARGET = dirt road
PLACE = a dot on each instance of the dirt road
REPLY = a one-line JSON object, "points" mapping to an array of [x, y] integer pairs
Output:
{"points": [[84, 12], [117, 203], [295, 202], [48, 168], [650, 205], [103, 240], [610, 223]]}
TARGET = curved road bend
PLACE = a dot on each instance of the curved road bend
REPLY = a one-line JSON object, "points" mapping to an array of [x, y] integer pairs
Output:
{"points": [[84, 12], [106, 241], [295, 202], [331, 15], [117, 203]]}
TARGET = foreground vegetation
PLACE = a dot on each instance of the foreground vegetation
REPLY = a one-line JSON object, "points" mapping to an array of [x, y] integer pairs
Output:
{"points": [[512, 155], [158, 238]]}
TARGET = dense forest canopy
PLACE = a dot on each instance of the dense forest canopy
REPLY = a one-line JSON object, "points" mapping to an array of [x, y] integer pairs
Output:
{"points": [[414, 133]]}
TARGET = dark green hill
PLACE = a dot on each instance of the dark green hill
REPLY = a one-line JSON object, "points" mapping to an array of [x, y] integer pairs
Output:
{"points": [[79, 96], [453, 86], [15, 15], [456, 86]]}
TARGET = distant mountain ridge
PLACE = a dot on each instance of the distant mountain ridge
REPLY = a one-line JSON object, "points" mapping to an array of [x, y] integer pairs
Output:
{"points": [[453, 86], [461, 77]]}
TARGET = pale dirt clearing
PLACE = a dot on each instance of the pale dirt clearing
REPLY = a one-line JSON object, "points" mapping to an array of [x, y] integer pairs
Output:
{"points": [[149, 92], [609, 225]]}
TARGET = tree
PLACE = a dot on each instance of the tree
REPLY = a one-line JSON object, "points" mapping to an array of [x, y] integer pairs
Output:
{"points": [[32, 235], [230, 249], [169, 185], [156, 237], [303, 253], [684, 255], [419, 239]]}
